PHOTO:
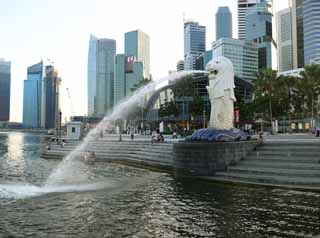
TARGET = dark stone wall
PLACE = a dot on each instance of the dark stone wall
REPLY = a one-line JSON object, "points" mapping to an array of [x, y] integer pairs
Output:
{"points": [[205, 158]]}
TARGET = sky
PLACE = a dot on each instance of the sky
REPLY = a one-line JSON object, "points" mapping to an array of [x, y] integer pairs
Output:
{"points": [[59, 30]]}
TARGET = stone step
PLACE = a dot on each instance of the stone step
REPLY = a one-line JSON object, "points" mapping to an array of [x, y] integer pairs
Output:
{"points": [[121, 155], [277, 158], [285, 153], [271, 179], [290, 148], [280, 164], [274, 171], [153, 158]]}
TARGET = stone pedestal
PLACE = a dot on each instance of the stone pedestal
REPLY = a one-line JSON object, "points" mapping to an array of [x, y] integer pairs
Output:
{"points": [[205, 158]]}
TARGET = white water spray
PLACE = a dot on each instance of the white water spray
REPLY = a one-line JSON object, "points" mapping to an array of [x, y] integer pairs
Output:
{"points": [[68, 169]]}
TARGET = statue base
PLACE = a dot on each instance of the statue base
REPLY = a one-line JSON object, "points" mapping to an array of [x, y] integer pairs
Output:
{"points": [[215, 135]]}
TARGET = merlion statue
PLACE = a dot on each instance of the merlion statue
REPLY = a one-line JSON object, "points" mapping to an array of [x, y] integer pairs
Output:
{"points": [[221, 93]]}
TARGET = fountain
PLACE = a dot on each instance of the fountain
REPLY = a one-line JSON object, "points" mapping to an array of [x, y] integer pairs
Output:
{"points": [[221, 86], [71, 163], [73, 173]]}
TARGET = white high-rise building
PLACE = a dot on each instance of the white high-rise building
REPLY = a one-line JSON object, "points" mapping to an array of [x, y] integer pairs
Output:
{"points": [[284, 40]]}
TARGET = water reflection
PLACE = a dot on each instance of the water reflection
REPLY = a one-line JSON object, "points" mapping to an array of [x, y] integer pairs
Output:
{"points": [[141, 203], [12, 160]]}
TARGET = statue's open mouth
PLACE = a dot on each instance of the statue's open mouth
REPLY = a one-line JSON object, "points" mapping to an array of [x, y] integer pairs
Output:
{"points": [[214, 72]]}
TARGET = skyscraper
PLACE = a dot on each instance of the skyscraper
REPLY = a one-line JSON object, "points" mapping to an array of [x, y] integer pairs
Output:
{"points": [[119, 78], [137, 44], [259, 31], [128, 73], [311, 22], [243, 6], [51, 98], [243, 55], [194, 43], [32, 96], [100, 75], [284, 38], [5, 82], [223, 23], [297, 33], [92, 74]]}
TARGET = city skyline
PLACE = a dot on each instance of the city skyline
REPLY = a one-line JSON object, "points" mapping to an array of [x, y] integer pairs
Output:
{"points": [[65, 40]]}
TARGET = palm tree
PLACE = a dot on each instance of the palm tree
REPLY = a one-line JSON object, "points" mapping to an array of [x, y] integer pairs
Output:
{"points": [[265, 86], [309, 86]]}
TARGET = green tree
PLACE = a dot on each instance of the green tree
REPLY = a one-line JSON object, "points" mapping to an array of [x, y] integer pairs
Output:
{"points": [[196, 106], [309, 88], [266, 93], [167, 109]]}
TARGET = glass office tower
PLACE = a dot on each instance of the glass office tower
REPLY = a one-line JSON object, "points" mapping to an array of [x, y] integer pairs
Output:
{"points": [[243, 55], [311, 23], [137, 44], [100, 75], [194, 43], [92, 73], [5, 82], [32, 96], [259, 31], [223, 23]]}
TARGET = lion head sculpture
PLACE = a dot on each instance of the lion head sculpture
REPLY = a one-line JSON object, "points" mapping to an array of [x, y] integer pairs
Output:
{"points": [[221, 76], [219, 66]]}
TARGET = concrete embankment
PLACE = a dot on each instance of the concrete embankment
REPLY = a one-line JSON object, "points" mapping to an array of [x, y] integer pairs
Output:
{"points": [[280, 162], [138, 153]]}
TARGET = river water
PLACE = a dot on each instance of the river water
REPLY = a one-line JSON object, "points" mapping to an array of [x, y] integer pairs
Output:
{"points": [[119, 201]]}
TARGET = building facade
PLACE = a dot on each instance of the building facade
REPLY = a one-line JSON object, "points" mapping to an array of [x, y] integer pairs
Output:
{"points": [[137, 44], [5, 85], [243, 55], [51, 96], [128, 74], [32, 96], [92, 74], [203, 60], [194, 43], [180, 65], [223, 23], [119, 78], [297, 32], [100, 75], [41, 97], [259, 31], [284, 40], [311, 29], [243, 6]]}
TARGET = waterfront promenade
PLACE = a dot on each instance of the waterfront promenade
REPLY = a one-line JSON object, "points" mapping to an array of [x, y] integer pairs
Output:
{"points": [[290, 161]]}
